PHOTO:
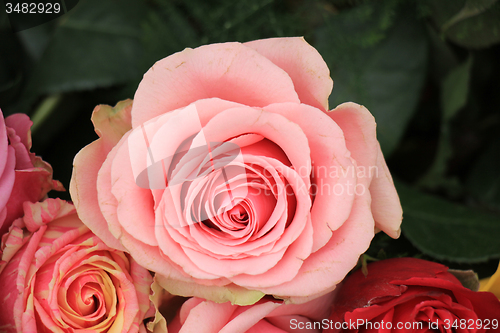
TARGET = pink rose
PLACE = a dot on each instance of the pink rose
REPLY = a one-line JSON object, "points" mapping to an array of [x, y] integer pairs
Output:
{"points": [[229, 175], [23, 176], [56, 276], [270, 316]]}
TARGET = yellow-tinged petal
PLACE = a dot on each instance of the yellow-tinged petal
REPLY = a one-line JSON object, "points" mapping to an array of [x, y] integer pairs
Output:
{"points": [[112, 122], [159, 324], [492, 284], [219, 294]]}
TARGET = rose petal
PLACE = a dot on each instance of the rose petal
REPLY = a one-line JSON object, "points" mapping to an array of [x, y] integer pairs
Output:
{"points": [[328, 266], [7, 178], [83, 190], [87, 163], [386, 207], [220, 294], [230, 71], [21, 124], [250, 317], [63, 260], [333, 170], [359, 129], [197, 321], [358, 126], [4, 143], [23, 158], [111, 123], [306, 67]]}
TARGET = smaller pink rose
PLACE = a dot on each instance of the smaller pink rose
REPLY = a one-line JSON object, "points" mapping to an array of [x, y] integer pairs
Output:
{"points": [[268, 315], [57, 276], [23, 176]]}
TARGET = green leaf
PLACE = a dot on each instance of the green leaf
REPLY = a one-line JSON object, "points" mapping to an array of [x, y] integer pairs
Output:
{"points": [[12, 71], [96, 45], [468, 23], [448, 231], [471, 8], [484, 179], [454, 94], [455, 88], [378, 59], [166, 31]]}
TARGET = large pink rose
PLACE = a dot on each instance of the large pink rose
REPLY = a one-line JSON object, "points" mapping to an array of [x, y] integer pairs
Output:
{"points": [[229, 176], [23, 176], [270, 316], [56, 276]]}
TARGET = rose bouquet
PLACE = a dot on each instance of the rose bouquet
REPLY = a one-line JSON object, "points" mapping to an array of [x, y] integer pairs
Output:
{"points": [[225, 197]]}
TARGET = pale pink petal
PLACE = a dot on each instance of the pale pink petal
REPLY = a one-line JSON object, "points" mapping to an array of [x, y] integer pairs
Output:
{"points": [[273, 227], [333, 170], [278, 129], [83, 190], [187, 306], [110, 122], [264, 316], [250, 317], [172, 250], [317, 309], [264, 327], [229, 71], [358, 126], [123, 203], [142, 280], [386, 207], [232, 267], [287, 268], [324, 269], [304, 64], [207, 317]]}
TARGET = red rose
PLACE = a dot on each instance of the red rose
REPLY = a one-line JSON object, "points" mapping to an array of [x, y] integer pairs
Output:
{"points": [[411, 295]]}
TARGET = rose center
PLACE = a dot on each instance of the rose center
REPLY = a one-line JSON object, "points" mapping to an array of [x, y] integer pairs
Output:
{"points": [[238, 214], [89, 300]]}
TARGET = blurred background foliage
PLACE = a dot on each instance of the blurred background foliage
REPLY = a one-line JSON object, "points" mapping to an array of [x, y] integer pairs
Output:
{"points": [[429, 70]]}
